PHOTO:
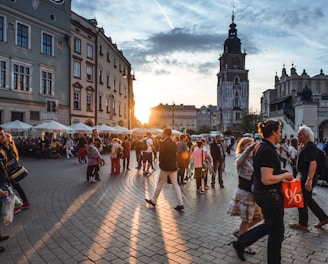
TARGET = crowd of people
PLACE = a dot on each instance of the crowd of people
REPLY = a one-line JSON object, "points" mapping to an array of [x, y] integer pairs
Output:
{"points": [[261, 167]]}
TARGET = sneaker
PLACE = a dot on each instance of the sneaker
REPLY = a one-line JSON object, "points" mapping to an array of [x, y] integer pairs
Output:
{"points": [[25, 205], [206, 187], [200, 191], [298, 226], [17, 209], [321, 223]]}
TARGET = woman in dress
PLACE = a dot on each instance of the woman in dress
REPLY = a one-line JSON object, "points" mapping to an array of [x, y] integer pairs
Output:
{"points": [[243, 203]]}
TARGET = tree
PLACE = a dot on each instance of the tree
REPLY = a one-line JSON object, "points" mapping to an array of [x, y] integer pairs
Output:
{"points": [[249, 122]]}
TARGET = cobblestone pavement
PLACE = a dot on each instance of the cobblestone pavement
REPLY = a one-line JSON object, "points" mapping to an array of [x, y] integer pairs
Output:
{"points": [[71, 221]]}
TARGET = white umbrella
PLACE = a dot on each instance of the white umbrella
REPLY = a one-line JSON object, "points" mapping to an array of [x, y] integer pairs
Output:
{"points": [[105, 129], [81, 128], [122, 130], [16, 126], [140, 130], [155, 131], [176, 132], [54, 126]]}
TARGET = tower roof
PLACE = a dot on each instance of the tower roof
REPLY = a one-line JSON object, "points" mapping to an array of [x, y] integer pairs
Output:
{"points": [[232, 44]]}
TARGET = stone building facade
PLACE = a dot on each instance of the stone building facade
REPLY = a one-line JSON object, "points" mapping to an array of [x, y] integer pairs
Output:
{"points": [[298, 99], [34, 59], [57, 65], [178, 117]]}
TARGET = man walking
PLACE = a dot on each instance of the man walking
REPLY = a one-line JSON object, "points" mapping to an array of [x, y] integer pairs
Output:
{"points": [[267, 192], [168, 166], [218, 150], [307, 165]]}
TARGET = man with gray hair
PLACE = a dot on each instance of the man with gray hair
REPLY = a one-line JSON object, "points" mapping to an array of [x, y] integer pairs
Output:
{"points": [[307, 165]]}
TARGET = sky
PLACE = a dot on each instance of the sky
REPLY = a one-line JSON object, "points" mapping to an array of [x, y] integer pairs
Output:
{"points": [[174, 45]]}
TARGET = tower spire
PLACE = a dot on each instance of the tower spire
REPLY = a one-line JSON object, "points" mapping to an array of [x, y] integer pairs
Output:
{"points": [[233, 14]]}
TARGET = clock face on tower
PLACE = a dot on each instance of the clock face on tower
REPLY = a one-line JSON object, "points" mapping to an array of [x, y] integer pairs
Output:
{"points": [[235, 60]]}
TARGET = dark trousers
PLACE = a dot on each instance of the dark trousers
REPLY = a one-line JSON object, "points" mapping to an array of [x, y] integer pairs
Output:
{"points": [[96, 173], [198, 176], [139, 159], [181, 173], [309, 202], [272, 206], [127, 159], [218, 167], [20, 190], [91, 171]]}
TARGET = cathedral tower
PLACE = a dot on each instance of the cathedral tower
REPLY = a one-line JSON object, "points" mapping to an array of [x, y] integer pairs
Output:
{"points": [[233, 84]]}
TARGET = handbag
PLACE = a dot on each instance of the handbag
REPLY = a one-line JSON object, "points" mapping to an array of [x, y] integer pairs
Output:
{"points": [[17, 171], [292, 193]]}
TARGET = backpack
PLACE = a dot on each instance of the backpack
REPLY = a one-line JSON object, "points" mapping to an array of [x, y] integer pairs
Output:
{"points": [[144, 144], [322, 164]]}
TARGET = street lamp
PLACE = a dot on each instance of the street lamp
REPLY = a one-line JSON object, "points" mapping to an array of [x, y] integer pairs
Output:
{"points": [[173, 115]]}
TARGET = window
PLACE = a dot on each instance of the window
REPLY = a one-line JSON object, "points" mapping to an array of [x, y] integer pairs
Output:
{"points": [[47, 44], [47, 82], [21, 78], [119, 110], [119, 88], [89, 73], [23, 36], [100, 103], [77, 45], [34, 115], [2, 29], [89, 51], [100, 50], [89, 102], [107, 106], [77, 69], [17, 116], [114, 85], [51, 106], [108, 86], [108, 57], [77, 100], [3, 73], [100, 77]]}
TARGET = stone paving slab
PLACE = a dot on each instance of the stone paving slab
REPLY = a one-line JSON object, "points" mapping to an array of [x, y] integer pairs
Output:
{"points": [[71, 221]]}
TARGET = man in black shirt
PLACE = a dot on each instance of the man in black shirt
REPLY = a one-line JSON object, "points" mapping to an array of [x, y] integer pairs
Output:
{"points": [[307, 165], [168, 166], [267, 184]]}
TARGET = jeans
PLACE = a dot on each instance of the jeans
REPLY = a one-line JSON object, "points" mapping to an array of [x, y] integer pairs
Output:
{"points": [[272, 205], [218, 167], [309, 202]]}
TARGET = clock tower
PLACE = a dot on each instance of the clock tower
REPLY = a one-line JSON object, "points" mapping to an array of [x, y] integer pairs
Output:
{"points": [[232, 83]]}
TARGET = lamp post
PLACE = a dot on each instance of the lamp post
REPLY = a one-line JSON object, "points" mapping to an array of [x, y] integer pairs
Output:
{"points": [[173, 106]]}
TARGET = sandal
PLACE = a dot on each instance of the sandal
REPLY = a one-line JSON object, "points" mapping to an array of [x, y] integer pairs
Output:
{"points": [[249, 251]]}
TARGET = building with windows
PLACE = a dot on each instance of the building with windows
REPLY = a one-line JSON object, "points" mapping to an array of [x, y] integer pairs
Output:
{"points": [[178, 117], [34, 59], [298, 99], [232, 83], [83, 70], [206, 118], [57, 65]]}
